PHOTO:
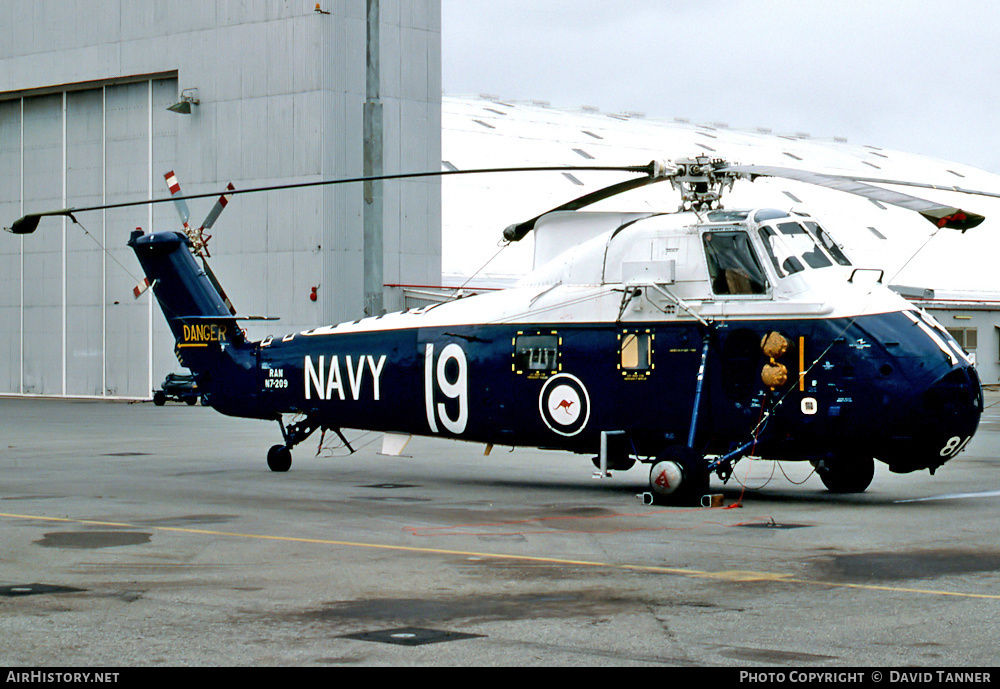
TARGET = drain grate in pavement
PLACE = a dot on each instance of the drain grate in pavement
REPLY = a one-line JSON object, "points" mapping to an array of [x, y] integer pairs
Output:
{"points": [[35, 590], [391, 486], [410, 636]]}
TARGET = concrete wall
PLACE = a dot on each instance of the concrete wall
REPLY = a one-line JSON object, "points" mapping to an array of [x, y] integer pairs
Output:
{"points": [[83, 94]]}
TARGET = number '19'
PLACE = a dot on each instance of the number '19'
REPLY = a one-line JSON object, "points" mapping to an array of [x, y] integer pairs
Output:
{"points": [[436, 380]]}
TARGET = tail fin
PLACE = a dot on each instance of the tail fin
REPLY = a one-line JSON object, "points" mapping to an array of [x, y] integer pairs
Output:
{"points": [[209, 341], [198, 313]]}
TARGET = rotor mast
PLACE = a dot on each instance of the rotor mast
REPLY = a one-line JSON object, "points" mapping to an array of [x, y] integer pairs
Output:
{"points": [[701, 182]]}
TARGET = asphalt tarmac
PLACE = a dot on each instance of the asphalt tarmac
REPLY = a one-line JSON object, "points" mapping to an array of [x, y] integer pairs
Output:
{"points": [[134, 535]]}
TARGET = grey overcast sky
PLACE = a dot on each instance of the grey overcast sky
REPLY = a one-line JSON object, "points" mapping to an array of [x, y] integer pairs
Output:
{"points": [[922, 76]]}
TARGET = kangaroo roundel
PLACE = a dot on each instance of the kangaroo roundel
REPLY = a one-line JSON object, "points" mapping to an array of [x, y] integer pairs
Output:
{"points": [[564, 404]]}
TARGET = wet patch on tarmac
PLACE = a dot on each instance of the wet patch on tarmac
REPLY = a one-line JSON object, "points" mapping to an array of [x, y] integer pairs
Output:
{"points": [[189, 520], [775, 657], [584, 512], [93, 539], [203, 473], [34, 497], [478, 607], [917, 564], [518, 570], [503, 538]]}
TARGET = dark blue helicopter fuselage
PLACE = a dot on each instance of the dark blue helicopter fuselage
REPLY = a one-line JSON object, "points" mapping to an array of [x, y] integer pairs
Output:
{"points": [[870, 386], [878, 391]]}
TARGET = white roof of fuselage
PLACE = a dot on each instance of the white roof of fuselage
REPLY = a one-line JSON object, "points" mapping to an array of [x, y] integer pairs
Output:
{"points": [[487, 132]]}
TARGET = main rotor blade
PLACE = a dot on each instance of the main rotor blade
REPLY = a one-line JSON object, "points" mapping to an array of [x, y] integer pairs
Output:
{"points": [[939, 214], [921, 185], [518, 231], [29, 222]]}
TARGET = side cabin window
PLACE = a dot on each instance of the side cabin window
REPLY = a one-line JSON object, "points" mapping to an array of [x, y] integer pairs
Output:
{"points": [[636, 353], [732, 264], [536, 354]]}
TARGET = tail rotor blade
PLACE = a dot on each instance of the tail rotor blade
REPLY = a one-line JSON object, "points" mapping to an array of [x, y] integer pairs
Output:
{"points": [[175, 190], [215, 283], [220, 206]]}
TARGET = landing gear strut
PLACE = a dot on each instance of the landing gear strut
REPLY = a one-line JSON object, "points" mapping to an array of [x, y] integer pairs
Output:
{"points": [[680, 475], [279, 457]]}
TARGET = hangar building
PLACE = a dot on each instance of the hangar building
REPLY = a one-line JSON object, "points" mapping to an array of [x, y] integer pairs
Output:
{"points": [[278, 93]]}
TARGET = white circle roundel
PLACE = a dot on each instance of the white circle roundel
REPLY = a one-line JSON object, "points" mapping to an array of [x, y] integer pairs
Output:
{"points": [[564, 404]]}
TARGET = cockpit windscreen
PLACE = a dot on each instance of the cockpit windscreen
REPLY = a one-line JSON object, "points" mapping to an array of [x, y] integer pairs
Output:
{"points": [[792, 249]]}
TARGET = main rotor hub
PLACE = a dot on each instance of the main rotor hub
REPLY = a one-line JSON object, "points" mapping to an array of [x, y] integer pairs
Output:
{"points": [[701, 181]]}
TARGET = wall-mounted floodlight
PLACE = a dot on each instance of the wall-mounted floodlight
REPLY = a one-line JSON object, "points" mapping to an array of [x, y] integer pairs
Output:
{"points": [[189, 97]]}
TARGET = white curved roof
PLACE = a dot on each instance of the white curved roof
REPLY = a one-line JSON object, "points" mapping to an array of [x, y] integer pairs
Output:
{"points": [[480, 132]]}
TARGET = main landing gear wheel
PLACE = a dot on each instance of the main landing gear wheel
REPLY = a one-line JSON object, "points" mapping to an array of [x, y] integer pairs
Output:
{"points": [[846, 475], [279, 458], [678, 477]]}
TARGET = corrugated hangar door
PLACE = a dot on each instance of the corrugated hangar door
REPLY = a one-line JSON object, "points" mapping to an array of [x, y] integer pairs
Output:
{"points": [[69, 316]]}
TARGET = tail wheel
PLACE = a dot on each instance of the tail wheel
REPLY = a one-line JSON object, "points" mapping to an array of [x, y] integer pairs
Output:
{"points": [[279, 458], [846, 474]]}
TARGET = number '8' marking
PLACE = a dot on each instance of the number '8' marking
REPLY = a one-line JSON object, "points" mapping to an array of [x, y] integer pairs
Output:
{"points": [[954, 446]]}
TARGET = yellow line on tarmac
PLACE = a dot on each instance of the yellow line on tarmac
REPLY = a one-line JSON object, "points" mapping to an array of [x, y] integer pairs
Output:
{"points": [[728, 575], [350, 544]]}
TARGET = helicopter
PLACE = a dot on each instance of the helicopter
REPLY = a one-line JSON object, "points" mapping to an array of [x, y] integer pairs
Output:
{"points": [[684, 340]]}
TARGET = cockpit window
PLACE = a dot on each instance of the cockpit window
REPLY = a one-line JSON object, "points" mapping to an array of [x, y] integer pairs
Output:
{"points": [[792, 249], [827, 241], [732, 264]]}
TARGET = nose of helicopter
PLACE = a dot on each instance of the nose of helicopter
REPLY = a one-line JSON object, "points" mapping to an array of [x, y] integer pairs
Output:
{"points": [[943, 420]]}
